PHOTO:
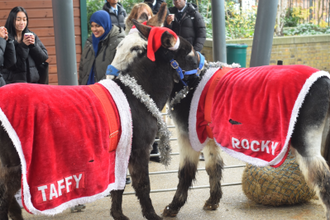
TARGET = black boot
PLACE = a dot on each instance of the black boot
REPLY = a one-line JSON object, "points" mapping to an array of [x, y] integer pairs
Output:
{"points": [[128, 180], [155, 151]]}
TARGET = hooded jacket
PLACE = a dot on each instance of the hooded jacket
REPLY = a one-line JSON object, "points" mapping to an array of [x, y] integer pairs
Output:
{"points": [[191, 26], [119, 19], [7, 56], [27, 60], [106, 53], [7, 53]]}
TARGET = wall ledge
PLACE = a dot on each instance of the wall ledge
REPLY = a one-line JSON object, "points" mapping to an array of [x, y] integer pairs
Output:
{"points": [[279, 40]]}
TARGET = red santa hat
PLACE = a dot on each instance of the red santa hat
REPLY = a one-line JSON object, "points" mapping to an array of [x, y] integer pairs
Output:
{"points": [[154, 41]]}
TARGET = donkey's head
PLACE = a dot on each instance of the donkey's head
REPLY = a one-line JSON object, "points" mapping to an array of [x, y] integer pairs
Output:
{"points": [[134, 45], [157, 44]]}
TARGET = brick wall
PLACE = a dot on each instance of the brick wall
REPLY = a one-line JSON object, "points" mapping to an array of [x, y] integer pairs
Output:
{"points": [[312, 51]]}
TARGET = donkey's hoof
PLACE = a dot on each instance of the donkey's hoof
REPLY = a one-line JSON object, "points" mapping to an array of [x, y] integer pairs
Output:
{"points": [[209, 206], [120, 217], [78, 208], [153, 216], [168, 212]]}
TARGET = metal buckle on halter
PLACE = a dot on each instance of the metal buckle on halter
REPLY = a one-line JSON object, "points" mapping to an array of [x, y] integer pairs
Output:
{"points": [[174, 64]]}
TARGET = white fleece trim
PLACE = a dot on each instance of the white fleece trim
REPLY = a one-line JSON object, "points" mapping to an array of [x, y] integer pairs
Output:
{"points": [[193, 137], [123, 151], [176, 46], [122, 154], [293, 119]]}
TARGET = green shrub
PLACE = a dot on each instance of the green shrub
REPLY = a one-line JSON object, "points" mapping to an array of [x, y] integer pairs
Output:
{"points": [[306, 29], [290, 20], [239, 24]]}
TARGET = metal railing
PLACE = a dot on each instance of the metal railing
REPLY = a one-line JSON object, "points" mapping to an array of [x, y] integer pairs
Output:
{"points": [[176, 171]]}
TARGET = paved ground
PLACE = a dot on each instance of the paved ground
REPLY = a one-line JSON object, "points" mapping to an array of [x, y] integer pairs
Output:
{"points": [[234, 204]]}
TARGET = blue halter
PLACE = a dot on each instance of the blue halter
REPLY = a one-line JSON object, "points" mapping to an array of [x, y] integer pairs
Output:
{"points": [[111, 70], [175, 65]]}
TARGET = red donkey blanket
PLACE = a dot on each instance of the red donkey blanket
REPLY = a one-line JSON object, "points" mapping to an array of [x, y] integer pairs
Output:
{"points": [[74, 142], [250, 112]]}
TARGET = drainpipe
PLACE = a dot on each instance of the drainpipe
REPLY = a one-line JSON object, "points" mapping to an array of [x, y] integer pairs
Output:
{"points": [[263, 33], [219, 31], [83, 22], [65, 44]]}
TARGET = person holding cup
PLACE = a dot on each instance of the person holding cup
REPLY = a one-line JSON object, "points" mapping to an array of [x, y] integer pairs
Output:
{"points": [[30, 52], [185, 20], [7, 53]]}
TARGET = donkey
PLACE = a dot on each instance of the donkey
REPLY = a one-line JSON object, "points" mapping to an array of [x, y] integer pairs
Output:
{"points": [[309, 139], [156, 78]]}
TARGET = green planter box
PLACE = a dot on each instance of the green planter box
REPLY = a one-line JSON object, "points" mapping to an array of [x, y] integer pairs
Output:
{"points": [[236, 53]]}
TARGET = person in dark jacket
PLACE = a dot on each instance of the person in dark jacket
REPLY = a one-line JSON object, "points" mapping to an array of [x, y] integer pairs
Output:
{"points": [[187, 23], [99, 49], [154, 5], [117, 12], [30, 52], [7, 53]]}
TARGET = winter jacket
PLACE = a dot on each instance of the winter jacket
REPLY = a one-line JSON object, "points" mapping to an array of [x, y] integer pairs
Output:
{"points": [[27, 60], [7, 53], [119, 19], [191, 26], [106, 53], [154, 5], [7, 56]]}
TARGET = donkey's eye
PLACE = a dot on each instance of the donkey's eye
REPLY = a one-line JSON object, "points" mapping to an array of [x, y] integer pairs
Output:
{"points": [[136, 49]]}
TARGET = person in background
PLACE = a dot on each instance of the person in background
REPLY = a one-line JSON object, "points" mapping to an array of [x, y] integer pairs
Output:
{"points": [[30, 52], [99, 49], [139, 11], [187, 22], [154, 5], [117, 12], [7, 53]]}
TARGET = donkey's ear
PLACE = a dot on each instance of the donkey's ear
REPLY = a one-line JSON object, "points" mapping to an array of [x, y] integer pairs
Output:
{"points": [[143, 29], [169, 41], [159, 18]]}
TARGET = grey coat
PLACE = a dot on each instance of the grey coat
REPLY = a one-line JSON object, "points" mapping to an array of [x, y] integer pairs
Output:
{"points": [[106, 53]]}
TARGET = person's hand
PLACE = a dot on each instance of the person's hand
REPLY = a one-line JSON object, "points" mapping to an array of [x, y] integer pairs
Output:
{"points": [[3, 33], [169, 19], [28, 39]]}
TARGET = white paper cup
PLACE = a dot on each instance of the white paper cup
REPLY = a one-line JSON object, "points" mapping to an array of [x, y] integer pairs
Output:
{"points": [[172, 15], [28, 34]]}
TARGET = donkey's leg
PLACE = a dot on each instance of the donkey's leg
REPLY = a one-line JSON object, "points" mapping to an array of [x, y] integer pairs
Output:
{"points": [[116, 206], [214, 166], [187, 172], [309, 136], [15, 211], [9, 185], [138, 168], [10, 177]]}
